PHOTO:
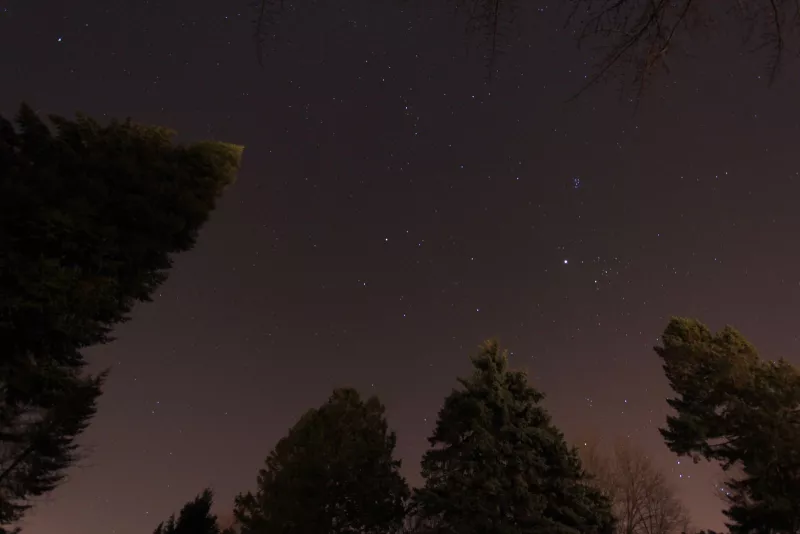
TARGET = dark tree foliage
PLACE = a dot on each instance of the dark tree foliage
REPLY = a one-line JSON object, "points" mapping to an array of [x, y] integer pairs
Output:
{"points": [[631, 39], [195, 518], [90, 216], [37, 443], [415, 524], [734, 408], [497, 465], [334, 473]]}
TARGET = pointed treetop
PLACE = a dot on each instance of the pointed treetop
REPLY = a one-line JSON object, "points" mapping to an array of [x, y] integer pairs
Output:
{"points": [[194, 518], [490, 358], [497, 464]]}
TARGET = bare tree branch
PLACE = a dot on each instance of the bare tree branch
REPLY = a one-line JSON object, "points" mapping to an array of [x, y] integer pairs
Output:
{"points": [[642, 499], [634, 38], [639, 35]]}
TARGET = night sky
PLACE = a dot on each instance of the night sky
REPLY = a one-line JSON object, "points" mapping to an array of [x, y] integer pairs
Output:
{"points": [[393, 211]]}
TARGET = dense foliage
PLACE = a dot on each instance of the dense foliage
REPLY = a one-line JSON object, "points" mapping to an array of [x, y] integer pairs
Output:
{"points": [[90, 217], [497, 465], [734, 408], [194, 518], [334, 473]]}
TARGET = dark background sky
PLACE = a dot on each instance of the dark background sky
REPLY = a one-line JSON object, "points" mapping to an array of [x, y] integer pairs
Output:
{"points": [[393, 211]]}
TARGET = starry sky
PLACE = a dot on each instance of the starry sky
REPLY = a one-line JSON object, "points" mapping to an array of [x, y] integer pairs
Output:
{"points": [[393, 210]]}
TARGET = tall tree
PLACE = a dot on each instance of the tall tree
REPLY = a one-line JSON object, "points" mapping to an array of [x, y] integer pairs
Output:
{"points": [[334, 473], [643, 501], [497, 465], [194, 518], [743, 412], [90, 217]]}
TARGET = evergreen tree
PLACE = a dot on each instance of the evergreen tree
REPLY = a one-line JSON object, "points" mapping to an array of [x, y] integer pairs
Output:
{"points": [[497, 465], [195, 518], [90, 217], [736, 409], [333, 473]]}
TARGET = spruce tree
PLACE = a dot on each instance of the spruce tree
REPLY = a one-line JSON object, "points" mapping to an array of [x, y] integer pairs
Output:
{"points": [[497, 465]]}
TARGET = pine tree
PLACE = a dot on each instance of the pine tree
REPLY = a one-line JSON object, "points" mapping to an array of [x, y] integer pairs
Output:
{"points": [[334, 473], [90, 218], [195, 518], [736, 409], [497, 465]]}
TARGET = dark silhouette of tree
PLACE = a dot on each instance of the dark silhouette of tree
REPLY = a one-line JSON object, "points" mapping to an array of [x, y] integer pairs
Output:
{"points": [[497, 465], [414, 524], [90, 217], [743, 412], [334, 473], [194, 518]]}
